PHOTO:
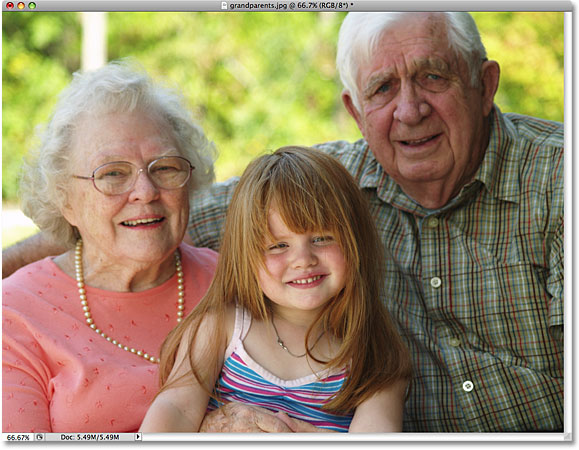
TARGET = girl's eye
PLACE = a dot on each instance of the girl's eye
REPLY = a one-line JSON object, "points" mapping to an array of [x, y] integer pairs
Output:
{"points": [[278, 246], [323, 239]]}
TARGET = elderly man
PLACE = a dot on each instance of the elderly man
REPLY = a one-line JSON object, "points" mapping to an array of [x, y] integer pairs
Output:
{"points": [[469, 204]]}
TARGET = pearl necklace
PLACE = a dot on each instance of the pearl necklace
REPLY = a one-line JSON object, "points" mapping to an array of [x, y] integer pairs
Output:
{"points": [[89, 320]]}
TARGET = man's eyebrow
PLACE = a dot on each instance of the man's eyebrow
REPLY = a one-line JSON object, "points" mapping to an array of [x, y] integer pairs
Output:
{"points": [[431, 63]]}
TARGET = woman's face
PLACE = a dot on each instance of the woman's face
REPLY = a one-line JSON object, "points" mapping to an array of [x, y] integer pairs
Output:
{"points": [[143, 225]]}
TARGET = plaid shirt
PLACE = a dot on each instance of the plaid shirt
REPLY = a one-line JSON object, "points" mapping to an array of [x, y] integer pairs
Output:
{"points": [[475, 287]]}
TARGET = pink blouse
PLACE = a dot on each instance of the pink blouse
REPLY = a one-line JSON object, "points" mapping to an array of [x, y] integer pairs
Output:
{"points": [[59, 375]]}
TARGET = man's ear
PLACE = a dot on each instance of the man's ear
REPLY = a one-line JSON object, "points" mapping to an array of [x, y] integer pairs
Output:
{"points": [[490, 74], [351, 108]]}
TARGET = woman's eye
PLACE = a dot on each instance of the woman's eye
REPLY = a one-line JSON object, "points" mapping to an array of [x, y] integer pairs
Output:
{"points": [[112, 174], [165, 169]]}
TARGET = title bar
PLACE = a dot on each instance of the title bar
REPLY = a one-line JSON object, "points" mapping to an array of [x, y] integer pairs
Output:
{"points": [[286, 5]]}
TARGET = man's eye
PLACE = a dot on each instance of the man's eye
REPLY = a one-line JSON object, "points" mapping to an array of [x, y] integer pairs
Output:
{"points": [[385, 91], [433, 82], [384, 88]]}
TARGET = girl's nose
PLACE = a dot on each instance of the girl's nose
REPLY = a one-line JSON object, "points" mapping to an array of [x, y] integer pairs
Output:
{"points": [[304, 256]]}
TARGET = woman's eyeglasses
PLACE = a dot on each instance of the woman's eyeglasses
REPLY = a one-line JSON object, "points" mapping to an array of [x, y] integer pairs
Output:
{"points": [[115, 178]]}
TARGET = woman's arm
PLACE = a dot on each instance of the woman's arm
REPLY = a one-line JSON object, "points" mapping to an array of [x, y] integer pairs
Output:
{"points": [[382, 412], [25, 377]]}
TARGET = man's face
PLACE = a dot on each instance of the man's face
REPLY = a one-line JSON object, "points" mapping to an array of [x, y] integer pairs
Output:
{"points": [[422, 120]]}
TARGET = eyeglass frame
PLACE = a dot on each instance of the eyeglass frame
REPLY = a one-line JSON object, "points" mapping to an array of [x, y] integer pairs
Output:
{"points": [[139, 170]]}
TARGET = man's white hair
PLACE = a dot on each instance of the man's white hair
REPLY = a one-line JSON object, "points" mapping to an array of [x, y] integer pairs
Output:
{"points": [[361, 32]]}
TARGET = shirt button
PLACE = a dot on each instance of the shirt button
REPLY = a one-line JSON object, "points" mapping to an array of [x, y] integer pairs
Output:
{"points": [[432, 222], [467, 386], [435, 282], [455, 342]]}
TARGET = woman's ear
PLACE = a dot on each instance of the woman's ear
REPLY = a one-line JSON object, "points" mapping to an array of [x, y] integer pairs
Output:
{"points": [[68, 213]]}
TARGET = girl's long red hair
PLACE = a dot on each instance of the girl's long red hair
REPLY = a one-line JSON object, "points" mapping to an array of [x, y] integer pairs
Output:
{"points": [[312, 192]]}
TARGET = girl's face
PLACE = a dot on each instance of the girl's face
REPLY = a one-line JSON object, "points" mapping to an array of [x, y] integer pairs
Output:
{"points": [[302, 271]]}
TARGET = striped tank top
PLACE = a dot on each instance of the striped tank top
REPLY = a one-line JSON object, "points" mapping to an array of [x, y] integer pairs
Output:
{"points": [[243, 380]]}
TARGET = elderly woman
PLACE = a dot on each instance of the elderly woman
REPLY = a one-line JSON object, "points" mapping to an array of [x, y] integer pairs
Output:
{"points": [[111, 180]]}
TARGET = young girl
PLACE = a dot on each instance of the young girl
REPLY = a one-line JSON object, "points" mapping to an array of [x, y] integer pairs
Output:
{"points": [[292, 321]]}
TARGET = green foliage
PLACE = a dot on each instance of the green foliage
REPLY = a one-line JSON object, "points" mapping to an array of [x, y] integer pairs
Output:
{"points": [[254, 81], [529, 48], [39, 52]]}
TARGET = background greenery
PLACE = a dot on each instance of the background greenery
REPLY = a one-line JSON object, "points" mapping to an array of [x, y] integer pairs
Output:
{"points": [[255, 81]]}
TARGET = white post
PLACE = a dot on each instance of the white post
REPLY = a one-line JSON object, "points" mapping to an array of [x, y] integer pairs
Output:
{"points": [[94, 40]]}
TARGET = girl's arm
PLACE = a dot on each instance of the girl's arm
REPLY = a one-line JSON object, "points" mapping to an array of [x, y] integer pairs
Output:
{"points": [[182, 408], [382, 412]]}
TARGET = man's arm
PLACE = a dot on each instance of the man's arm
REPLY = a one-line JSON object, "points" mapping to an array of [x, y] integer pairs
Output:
{"points": [[241, 418], [28, 251], [207, 214]]}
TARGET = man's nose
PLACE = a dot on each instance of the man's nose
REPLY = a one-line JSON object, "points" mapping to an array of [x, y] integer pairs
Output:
{"points": [[411, 106]]}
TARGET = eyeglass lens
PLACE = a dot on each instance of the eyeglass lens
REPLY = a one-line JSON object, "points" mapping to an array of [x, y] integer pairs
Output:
{"points": [[118, 177]]}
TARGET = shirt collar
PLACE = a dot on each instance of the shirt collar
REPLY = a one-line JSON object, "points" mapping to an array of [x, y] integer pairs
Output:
{"points": [[499, 168], [373, 176]]}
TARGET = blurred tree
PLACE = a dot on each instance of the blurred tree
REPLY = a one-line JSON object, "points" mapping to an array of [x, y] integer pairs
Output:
{"points": [[39, 53], [254, 81], [529, 48]]}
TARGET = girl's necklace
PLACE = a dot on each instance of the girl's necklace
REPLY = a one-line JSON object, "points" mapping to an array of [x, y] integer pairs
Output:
{"points": [[282, 345], [89, 320]]}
